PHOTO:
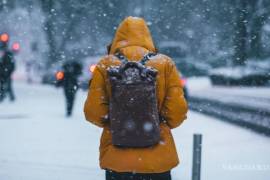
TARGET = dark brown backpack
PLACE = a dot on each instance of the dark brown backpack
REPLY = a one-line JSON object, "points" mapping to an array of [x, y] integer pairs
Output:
{"points": [[133, 112]]}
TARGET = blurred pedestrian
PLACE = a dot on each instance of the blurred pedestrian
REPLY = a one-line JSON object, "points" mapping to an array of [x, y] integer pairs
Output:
{"points": [[136, 97], [7, 67], [69, 80], [28, 69]]}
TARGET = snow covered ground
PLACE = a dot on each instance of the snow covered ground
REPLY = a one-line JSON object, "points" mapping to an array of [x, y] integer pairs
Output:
{"points": [[198, 84], [37, 142], [252, 97]]}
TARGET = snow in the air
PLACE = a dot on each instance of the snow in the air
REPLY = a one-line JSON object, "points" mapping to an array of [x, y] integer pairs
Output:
{"points": [[226, 39]]}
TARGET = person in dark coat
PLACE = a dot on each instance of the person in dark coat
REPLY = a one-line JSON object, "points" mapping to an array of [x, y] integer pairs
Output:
{"points": [[71, 72], [7, 67]]}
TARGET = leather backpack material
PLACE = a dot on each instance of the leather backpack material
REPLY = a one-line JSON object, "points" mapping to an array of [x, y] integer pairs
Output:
{"points": [[133, 112]]}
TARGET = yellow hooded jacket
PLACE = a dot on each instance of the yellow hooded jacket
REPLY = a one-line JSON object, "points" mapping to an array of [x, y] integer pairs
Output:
{"points": [[134, 40]]}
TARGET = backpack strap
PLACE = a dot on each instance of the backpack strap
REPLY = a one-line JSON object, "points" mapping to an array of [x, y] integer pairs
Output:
{"points": [[121, 57], [147, 57]]}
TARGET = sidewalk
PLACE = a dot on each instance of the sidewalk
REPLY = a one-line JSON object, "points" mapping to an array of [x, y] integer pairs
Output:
{"points": [[37, 142]]}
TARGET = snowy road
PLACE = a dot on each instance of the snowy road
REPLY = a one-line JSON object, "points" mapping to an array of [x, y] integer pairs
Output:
{"points": [[37, 142]]}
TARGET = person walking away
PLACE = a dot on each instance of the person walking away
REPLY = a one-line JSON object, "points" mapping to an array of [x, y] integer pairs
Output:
{"points": [[71, 72], [7, 67], [136, 97]]}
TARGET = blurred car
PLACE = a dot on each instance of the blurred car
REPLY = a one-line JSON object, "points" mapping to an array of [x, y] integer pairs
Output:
{"points": [[178, 51], [173, 48], [86, 77], [49, 76], [89, 65]]}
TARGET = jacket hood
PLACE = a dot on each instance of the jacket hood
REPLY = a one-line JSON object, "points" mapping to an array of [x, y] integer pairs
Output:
{"points": [[133, 31]]}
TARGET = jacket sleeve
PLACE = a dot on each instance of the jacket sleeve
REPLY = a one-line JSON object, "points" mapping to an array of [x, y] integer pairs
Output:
{"points": [[96, 106], [174, 108]]}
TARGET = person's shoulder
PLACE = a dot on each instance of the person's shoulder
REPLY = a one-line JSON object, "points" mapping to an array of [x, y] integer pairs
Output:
{"points": [[164, 59], [107, 60]]}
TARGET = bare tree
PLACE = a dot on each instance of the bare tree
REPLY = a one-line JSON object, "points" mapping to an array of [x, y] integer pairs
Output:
{"points": [[240, 36], [260, 13]]}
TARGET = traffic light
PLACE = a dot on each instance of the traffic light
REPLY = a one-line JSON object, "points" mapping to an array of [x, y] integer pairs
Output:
{"points": [[16, 46], [4, 37], [60, 75]]}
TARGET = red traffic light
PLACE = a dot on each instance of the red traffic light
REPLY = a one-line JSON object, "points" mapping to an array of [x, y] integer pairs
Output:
{"points": [[60, 75], [4, 37], [16, 46]]}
